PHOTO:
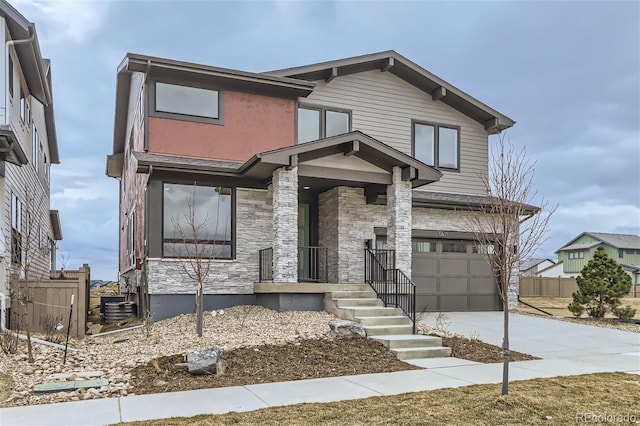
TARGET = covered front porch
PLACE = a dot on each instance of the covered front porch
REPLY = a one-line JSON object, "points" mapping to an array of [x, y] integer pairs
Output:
{"points": [[326, 198]]}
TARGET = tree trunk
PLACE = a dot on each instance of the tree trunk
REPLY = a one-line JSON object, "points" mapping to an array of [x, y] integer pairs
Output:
{"points": [[505, 342], [199, 309], [27, 329]]}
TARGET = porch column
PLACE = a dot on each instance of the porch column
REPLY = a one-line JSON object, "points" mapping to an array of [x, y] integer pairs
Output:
{"points": [[285, 225], [399, 220]]}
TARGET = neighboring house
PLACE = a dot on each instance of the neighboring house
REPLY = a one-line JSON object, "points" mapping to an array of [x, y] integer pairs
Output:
{"points": [[296, 171], [624, 248], [555, 271], [531, 267], [29, 229]]}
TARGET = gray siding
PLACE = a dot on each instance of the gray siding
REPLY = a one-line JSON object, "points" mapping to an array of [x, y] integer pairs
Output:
{"points": [[383, 106]]}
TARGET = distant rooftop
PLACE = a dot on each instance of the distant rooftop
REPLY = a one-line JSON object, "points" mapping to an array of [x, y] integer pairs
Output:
{"points": [[621, 241]]}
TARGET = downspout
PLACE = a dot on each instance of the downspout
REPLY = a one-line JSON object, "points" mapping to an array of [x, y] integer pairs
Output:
{"points": [[3, 310], [8, 44]]}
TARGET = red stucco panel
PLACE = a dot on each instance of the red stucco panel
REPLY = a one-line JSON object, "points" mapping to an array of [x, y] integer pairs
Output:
{"points": [[252, 124]]}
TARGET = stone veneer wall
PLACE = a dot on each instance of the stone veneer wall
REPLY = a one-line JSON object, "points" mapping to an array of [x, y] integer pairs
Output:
{"points": [[399, 224], [253, 231], [285, 225], [345, 222]]}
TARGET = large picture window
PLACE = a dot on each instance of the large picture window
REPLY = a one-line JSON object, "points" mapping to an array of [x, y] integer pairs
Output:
{"points": [[436, 145], [187, 103], [317, 123], [197, 221]]}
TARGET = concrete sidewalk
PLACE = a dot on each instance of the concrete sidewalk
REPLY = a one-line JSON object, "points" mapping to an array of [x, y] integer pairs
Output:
{"points": [[568, 349]]}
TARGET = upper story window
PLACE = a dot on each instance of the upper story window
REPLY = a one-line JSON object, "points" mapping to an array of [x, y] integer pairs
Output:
{"points": [[318, 123], [186, 103], [10, 76], [23, 107], [576, 255], [436, 145], [16, 229], [35, 146]]}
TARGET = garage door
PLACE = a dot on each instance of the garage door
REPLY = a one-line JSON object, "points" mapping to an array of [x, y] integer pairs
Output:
{"points": [[451, 276]]}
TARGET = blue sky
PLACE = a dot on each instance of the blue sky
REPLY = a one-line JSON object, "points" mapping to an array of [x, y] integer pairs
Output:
{"points": [[567, 72]]}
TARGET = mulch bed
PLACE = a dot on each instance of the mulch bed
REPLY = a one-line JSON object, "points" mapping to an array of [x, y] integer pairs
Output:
{"points": [[479, 351], [271, 363]]}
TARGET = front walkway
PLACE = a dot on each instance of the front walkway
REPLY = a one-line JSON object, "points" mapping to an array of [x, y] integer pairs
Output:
{"points": [[567, 349]]}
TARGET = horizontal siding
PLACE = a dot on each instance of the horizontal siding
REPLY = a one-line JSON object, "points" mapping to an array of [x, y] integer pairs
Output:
{"points": [[383, 106]]}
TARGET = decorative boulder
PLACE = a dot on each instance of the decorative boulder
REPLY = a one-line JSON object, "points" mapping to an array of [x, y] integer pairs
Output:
{"points": [[344, 329], [204, 361]]}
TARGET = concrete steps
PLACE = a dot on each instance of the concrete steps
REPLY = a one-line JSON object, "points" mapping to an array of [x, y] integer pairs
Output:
{"points": [[386, 324]]}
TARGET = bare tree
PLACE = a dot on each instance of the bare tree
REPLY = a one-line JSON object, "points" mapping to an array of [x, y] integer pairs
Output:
{"points": [[196, 233], [509, 229]]}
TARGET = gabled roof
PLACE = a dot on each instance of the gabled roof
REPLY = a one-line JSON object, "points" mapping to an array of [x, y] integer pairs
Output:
{"points": [[620, 241], [393, 62], [258, 169], [530, 263]]}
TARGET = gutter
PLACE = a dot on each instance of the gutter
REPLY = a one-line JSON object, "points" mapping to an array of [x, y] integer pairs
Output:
{"points": [[8, 44]]}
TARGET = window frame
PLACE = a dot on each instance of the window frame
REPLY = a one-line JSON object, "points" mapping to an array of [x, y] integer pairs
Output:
{"points": [[323, 118], [436, 143], [153, 112], [10, 76], [35, 147], [232, 217], [16, 229]]}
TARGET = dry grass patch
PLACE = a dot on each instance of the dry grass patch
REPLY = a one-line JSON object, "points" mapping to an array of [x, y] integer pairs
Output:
{"points": [[542, 401], [558, 305], [6, 387]]}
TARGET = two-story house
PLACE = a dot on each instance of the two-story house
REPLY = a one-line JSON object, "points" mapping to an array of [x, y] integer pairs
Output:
{"points": [[574, 255], [28, 146], [292, 173]]}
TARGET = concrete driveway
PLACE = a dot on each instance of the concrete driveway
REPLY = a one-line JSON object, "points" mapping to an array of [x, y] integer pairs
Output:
{"points": [[565, 343]]}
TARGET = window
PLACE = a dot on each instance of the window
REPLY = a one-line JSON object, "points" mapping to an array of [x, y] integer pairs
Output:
{"points": [[16, 230], [35, 146], [39, 236], [454, 247], [436, 145], [210, 232], [186, 101], [10, 71], [23, 106], [620, 253], [423, 246], [318, 123], [46, 166], [576, 255], [483, 249], [131, 240]]}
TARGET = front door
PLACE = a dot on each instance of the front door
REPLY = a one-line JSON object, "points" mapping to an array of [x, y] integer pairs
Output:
{"points": [[303, 241]]}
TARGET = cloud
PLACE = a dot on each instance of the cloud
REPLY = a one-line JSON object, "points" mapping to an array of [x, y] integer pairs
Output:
{"points": [[64, 21]]}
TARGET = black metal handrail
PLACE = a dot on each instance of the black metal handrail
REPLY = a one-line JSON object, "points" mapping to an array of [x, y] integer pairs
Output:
{"points": [[313, 264], [265, 265], [391, 285]]}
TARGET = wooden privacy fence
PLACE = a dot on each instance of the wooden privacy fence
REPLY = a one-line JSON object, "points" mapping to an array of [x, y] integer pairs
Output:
{"points": [[48, 302], [556, 287]]}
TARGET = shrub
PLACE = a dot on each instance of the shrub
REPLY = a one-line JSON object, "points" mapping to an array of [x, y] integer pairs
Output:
{"points": [[625, 314], [601, 284]]}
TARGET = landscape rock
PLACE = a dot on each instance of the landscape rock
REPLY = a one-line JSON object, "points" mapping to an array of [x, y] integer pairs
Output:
{"points": [[204, 361], [344, 329]]}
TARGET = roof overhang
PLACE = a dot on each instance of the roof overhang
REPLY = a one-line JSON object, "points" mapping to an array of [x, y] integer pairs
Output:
{"points": [[55, 224], [461, 202], [10, 149], [172, 70], [28, 53], [258, 170], [391, 61]]}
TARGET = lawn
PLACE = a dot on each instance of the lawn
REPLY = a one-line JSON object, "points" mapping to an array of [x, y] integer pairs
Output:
{"points": [[559, 400]]}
